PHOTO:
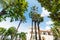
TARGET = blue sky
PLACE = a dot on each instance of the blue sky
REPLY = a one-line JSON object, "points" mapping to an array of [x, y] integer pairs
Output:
{"points": [[26, 26]]}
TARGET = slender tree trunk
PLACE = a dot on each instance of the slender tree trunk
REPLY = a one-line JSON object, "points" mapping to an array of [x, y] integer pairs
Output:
{"points": [[19, 38], [1, 37], [19, 25], [16, 37], [39, 31], [35, 31], [31, 31], [4, 38], [12, 37]]}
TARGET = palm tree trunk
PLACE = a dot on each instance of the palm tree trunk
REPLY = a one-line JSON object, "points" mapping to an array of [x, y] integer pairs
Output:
{"points": [[32, 31], [39, 31], [4, 38], [16, 37], [19, 25], [1, 37], [11, 37], [35, 31]]}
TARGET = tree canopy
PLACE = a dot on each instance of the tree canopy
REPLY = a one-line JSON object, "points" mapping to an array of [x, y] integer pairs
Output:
{"points": [[14, 9], [56, 32], [34, 15], [22, 35], [2, 30], [12, 30], [52, 6]]}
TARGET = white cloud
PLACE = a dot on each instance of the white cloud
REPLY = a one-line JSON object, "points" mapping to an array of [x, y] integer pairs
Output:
{"points": [[44, 12], [7, 24], [49, 23], [47, 28]]}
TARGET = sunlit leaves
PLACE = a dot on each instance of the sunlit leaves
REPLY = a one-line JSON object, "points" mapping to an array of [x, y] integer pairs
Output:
{"points": [[56, 31], [52, 6], [12, 30], [22, 35], [2, 30], [34, 15], [15, 9]]}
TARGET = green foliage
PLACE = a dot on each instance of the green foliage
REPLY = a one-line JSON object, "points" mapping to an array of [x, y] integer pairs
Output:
{"points": [[22, 35], [57, 23], [12, 31], [39, 18], [52, 6], [15, 9], [34, 15], [56, 31], [6, 33], [2, 30]]}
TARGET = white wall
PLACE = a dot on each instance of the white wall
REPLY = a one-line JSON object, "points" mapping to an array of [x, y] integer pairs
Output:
{"points": [[47, 37]]}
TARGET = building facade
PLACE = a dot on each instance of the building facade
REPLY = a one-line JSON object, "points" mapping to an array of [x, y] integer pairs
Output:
{"points": [[45, 35]]}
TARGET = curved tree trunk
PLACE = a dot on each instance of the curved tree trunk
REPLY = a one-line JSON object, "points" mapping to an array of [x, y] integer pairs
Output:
{"points": [[39, 31], [32, 31], [35, 31]]}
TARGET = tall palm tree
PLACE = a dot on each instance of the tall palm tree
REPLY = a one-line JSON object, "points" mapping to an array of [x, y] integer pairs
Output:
{"points": [[35, 21], [22, 19], [33, 16], [39, 20], [32, 31]]}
